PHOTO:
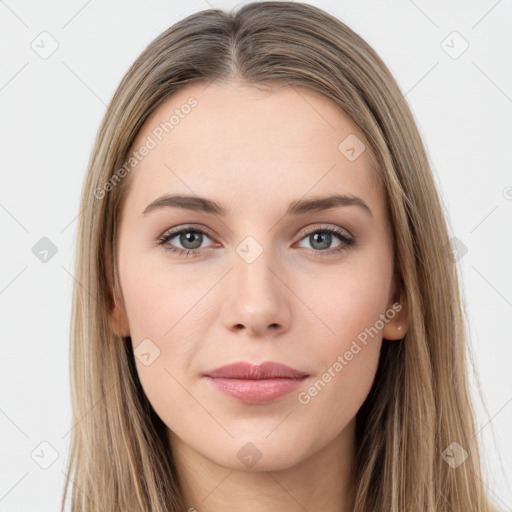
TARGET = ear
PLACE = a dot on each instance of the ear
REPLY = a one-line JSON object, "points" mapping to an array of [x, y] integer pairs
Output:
{"points": [[396, 327], [117, 315]]}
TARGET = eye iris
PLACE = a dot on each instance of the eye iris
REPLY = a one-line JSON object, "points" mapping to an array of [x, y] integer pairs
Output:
{"points": [[193, 237], [324, 243]]}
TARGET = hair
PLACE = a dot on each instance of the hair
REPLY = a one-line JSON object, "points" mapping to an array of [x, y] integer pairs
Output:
{"points": [[420, 401]]}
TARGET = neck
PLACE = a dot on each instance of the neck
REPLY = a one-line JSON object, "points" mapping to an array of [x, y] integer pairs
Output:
{"points": [[322, 483]]}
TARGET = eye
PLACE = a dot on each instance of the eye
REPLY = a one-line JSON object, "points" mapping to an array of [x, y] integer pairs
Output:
{"points": [[191, 239], [320, 240]]}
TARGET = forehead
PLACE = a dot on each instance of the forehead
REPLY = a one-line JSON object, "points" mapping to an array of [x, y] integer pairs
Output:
{"points": [[278, 144]]}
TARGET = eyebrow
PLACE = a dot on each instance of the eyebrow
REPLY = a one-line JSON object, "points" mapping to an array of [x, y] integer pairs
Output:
{"points": [[298, 207]]}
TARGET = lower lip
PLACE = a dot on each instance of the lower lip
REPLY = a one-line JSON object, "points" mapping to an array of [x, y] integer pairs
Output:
{"points": [[252, 391]]}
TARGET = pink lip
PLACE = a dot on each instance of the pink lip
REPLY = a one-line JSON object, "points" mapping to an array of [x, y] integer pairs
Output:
{"points": [[256, 384]]}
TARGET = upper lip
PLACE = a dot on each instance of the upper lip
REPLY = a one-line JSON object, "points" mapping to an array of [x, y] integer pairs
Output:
{"points": [[266, 370]]}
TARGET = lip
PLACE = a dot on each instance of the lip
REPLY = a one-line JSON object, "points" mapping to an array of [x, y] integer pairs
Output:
{"points": [[256, 384]]}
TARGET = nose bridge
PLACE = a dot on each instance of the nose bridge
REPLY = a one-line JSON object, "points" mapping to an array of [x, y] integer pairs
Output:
{"points": [[255, 270], [256, 293]]}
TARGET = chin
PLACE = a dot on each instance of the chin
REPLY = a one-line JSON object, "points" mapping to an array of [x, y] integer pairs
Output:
{"points": [[255, 454]]}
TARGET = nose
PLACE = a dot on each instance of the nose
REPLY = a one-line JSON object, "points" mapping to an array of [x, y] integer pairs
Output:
{"points": [[257, 298]]}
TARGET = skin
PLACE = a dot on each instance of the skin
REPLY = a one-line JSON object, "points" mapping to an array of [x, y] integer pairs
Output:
{"points": [[255, 151]]}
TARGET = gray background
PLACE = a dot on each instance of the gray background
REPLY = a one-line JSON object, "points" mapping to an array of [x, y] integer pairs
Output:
{"points": [[51, 109]]}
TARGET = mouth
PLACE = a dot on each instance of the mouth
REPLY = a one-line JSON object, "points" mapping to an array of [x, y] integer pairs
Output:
{"points": [[256, 384]]}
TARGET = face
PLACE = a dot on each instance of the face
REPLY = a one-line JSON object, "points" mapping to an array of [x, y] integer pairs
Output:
{"points": [[259, 278]]}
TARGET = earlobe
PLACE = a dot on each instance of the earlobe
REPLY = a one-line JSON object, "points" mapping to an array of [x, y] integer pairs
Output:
{"points": [[117, 317], [396, 327]]}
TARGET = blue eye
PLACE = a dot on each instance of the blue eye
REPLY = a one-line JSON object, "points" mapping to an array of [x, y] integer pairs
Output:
{"points": [[323, 237], [192, 238], [184, 239]]}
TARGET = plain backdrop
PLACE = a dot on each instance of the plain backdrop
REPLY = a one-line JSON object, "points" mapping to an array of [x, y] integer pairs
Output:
{"points": [[452, 61]]}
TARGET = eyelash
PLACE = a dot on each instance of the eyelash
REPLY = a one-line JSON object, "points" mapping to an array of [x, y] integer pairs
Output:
{"points": [[346, 241]]}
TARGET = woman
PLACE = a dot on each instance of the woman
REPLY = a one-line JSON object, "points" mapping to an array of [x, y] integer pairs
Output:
{"points": [[268, 313]]}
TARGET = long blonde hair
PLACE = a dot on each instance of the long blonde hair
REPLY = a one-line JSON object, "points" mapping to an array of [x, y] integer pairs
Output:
{"points": [[419, 403]]}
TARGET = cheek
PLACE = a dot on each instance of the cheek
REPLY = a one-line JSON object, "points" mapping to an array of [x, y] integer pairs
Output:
{"points": [[351, 304], [163, 314], [169, 311], [337, 393], [162, 300], [346, 302]]}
